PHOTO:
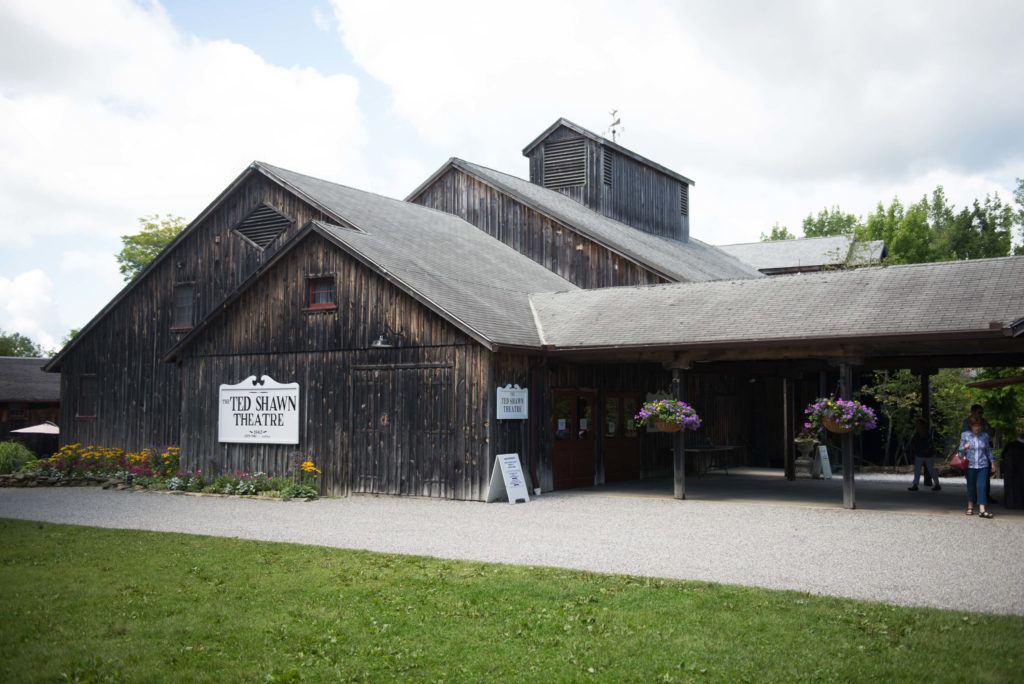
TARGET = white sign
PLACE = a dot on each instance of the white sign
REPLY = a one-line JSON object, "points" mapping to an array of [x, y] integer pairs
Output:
{"points": [[513, 403], [826, 466], [258, 412], [508, 480]]}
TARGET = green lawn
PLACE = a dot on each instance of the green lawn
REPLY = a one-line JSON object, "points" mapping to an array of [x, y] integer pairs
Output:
{"points": [[103, 605]]}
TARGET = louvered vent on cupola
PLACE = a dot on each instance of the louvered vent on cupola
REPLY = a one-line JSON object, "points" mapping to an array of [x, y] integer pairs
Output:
{"points": [[606, 166], [684, 199], [263, 225], [565, 163]]}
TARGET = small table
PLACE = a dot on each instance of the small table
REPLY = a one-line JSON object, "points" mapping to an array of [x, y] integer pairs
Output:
{"points": [[709, 458]]}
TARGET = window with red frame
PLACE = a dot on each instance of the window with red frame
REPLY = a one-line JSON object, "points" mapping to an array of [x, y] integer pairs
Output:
{"points": [[321, 293]]}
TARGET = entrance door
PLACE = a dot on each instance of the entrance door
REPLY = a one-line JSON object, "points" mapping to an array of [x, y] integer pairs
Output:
{"points": [[621, 440], [573, 429]]}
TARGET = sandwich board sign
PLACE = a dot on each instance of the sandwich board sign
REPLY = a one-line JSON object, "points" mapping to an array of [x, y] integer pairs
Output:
{"points": [[259, 411], [508, 480], [826, 466]]}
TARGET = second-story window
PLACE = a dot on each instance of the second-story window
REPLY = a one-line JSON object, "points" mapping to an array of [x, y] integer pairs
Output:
{"points": [[184, 295], [321, 293]]}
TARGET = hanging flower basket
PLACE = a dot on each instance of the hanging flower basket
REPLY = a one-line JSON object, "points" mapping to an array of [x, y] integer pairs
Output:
{"points": [[840, 416], [666, 426], [833, 425], [668, 415]]}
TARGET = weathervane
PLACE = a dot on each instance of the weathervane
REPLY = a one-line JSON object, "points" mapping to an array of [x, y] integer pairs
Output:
{"points": [[615, 128]]}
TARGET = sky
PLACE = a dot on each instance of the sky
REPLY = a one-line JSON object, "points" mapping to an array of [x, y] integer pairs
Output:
{"points": [[112, 109]]}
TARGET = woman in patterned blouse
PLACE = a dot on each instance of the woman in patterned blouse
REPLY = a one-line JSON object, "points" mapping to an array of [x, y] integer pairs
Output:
{"points": [[976, 447]]}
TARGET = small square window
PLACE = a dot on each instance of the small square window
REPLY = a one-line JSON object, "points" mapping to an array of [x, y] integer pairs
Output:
{"points": [[184, 295], [321, 293]]}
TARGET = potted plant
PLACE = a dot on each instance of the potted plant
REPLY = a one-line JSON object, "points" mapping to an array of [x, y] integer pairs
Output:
{"points": [[840, 416], [805, 443], [668, 415]]}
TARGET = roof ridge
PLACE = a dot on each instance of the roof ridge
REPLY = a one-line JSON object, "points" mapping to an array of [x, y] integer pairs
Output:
{"points": [[271, 167], [802, 239]]}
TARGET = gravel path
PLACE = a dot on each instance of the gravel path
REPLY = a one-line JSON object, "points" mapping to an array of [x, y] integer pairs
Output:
{"points": [[924, 560]]}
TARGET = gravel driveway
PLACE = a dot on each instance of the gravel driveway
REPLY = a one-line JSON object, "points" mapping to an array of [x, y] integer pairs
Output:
{"points": [[925, 560]]}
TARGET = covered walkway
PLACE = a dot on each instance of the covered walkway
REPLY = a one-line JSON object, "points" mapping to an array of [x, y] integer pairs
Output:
{"points": [[875, 491]]}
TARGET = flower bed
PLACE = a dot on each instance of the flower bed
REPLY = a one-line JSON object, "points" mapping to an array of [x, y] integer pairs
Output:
{"points": [[157, 469], [840, 416]]}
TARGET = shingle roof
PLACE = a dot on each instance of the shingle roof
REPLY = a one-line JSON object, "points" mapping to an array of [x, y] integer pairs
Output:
{"points": [[22, 380], [476, 279], [899, 300], [685, 261], [837, 250]]}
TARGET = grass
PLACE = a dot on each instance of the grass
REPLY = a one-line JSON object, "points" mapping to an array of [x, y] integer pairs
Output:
{"points": [[85, 604]]}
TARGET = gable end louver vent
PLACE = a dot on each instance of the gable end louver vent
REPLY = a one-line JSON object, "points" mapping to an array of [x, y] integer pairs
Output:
{"points": [[606, 170], [565, 163], [684, 199], [262, 226]]}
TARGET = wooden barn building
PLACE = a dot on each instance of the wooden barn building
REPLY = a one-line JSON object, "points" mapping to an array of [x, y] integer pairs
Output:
{"points": [[389, 327]]}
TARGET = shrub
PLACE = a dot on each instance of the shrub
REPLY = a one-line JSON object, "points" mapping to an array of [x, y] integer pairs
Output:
{"points": [[13, 456]]}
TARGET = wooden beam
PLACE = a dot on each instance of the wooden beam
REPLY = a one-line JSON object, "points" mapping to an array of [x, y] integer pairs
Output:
{"points": [[788, 457], [926, 398], [678, 443], [846, 392]]}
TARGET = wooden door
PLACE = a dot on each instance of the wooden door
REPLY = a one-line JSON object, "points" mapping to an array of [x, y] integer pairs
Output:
{"points": [[621, 439], [401, 430], [572, 423], [373, 436]]}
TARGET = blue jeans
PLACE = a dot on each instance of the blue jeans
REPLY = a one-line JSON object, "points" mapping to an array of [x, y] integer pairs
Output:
{"points": [[977, 485]]}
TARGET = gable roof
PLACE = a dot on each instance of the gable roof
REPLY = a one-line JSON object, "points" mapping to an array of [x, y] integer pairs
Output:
{"points": [[21, 380], [477, 283], [946, 298], [611, 144], [838, 250], [53, 364], [673, 259]]}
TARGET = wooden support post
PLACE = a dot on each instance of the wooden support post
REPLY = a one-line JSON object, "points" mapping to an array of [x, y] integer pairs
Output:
{"points": [[678, 443], [926, 398], [788, 457], [846, 392]]}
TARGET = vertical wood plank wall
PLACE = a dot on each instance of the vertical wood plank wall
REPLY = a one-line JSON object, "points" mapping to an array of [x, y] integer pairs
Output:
{"points": [[554, 245], [724, 402], [138, 394], [419, 411]]}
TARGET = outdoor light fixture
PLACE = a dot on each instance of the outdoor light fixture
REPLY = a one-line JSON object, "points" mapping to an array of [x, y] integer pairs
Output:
{"points": [[381, 343]]}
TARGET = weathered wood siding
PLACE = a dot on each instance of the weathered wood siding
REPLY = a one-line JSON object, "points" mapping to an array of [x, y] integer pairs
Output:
{"points": [[725, 403], [639, 195], [413, 419], [138, 394], [550, 243]]}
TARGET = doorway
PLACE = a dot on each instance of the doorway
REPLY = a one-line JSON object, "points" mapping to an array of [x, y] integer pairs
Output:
{"points": [[574, 452], [621, 438]]}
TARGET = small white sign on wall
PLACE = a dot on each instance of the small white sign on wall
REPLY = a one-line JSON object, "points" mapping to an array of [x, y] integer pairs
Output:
{"points": [[258, 412], [513, 403]]}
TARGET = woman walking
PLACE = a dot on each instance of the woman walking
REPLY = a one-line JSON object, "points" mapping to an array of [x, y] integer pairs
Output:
{"points": [[976, 446]]}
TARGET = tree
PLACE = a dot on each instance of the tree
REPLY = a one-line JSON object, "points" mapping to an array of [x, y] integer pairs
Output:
{"points": [[140, 249], [830, 222], [778, 233], [1018, 198], [16, 344], [72, 334]]}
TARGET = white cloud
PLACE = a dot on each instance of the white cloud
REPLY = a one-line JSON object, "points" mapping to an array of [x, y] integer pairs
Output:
{"points": [[26, 306], [108, 112], [774, 109]]}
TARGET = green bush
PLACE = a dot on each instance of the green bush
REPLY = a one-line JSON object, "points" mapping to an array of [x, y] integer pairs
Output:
{"points": [[13, 455]]}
